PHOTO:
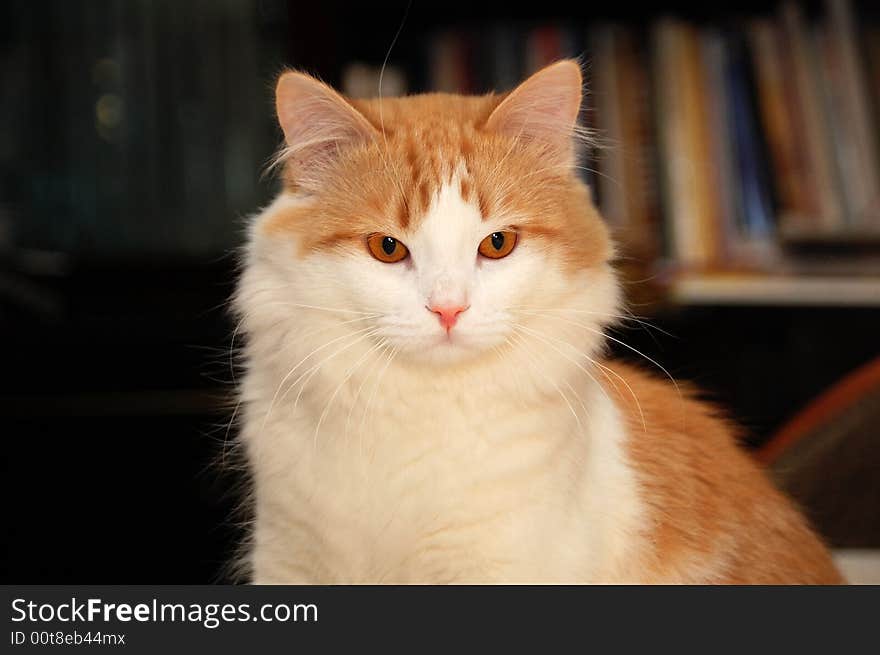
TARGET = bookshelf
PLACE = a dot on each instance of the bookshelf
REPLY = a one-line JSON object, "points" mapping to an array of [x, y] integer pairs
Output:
{"points": [[728, 137], [774, 290]]}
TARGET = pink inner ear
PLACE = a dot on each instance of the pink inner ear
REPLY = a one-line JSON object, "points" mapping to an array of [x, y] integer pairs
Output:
{"points": [[317, 122], [544, 109]]}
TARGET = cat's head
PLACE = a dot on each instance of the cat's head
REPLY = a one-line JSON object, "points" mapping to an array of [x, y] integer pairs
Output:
{"points": [[445, 227]]}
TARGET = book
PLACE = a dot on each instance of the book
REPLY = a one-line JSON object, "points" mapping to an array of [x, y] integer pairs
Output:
{"points": [[724, 173], [696, 117], [677, 206], [451, 70], [801, 64], [682, 121], [781, 122], [604, 91], [857, 143], [757, 221], [640, 157]]}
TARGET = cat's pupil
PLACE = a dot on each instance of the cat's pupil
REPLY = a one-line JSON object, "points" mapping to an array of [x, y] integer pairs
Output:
{"points": [[497, 240], [389, 245]]}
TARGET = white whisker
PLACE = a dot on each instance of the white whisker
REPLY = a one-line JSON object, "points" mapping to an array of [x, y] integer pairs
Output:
{"points": [[314, 369], [545, 338], [301, 361], [391, 356], [384, 346], [345, 379], [521, 340]]}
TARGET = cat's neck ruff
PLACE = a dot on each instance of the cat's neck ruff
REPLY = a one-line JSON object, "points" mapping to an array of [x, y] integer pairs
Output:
{"points": [[447, 464]]}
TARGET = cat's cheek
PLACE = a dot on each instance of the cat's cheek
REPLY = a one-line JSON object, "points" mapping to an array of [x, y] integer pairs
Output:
{"points": [[532, 282]]}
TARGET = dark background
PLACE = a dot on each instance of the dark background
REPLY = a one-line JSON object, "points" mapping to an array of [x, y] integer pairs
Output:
{"points": [[118, 238]]}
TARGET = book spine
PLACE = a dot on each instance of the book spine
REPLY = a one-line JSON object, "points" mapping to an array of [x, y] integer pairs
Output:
{"points": [[605, 94], [638, 152], [862, 163], [758, 223], [803, 64], [780, 121], [723, 171]]}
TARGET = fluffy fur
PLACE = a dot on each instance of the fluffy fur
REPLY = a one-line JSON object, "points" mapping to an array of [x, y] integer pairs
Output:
{"points": [[384, 448]]}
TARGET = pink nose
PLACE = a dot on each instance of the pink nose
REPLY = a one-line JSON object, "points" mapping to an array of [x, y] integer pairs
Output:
{"points": [[448, 315]]}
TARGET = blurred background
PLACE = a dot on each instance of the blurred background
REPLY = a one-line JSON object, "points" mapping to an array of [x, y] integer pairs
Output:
{"points": [[736, 161]]}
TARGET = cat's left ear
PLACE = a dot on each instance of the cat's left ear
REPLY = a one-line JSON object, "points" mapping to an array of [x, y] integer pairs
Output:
{"points": [[544, 109], [318, 124]]}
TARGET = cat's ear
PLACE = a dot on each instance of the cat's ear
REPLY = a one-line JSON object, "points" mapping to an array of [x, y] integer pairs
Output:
{"points": [[544, 109], [317, 123]]}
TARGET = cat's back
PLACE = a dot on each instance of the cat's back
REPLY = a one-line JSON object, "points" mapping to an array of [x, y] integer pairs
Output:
{"points": [[712, 513]]}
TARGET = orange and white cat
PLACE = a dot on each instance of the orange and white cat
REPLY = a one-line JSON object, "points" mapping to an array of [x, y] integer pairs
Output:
{"points": [[426, 399]]}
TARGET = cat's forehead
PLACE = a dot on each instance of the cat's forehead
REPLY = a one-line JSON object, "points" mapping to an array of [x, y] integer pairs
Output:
{"points": [[438, 161], [427, 143]]}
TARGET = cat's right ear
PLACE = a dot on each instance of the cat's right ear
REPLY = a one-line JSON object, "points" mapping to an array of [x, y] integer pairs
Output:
{"points": [[318, 123], [544, 110]]}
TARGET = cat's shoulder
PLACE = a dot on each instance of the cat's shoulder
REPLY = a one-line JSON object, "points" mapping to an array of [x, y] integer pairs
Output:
{"points": [[673, 431], [701, 488]]}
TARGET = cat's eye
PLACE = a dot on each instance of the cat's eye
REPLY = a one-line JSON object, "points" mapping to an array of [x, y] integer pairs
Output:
{"points": [[498, 244], [386, 249]]}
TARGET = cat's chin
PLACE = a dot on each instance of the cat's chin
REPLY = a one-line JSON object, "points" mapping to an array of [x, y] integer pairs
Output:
{"points": [[448, 349]]}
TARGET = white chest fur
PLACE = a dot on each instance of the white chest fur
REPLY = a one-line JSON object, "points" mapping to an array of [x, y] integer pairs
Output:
{"points": [[440, 482]]}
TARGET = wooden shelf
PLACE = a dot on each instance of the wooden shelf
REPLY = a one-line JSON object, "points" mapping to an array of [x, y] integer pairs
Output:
{"points": [[745, 289]]}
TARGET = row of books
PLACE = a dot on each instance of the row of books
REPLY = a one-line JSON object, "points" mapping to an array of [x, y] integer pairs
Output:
{"points": [[717, 145]]}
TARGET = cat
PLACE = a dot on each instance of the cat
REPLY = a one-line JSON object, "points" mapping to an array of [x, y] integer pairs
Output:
{"points": [[426, 398]]}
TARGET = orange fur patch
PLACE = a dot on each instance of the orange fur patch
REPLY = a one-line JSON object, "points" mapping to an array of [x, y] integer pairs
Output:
{"points": [[707, 499]]}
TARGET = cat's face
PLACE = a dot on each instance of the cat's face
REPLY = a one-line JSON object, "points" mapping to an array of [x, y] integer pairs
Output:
{"points": [[457, 230]]}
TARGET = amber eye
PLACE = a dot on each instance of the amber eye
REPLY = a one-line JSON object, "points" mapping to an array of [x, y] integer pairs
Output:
{"points": [[386, 249], [498, 244]]}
